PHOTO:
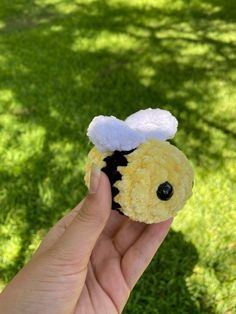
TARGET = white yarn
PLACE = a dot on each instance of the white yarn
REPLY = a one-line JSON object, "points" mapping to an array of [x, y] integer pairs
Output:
{"points": [[153, 123], [110, 133]]}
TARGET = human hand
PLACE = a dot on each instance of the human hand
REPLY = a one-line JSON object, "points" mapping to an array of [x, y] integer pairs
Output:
{"points": [[89, 261]]}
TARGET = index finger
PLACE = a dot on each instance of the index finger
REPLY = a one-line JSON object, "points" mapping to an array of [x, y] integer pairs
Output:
{"points": [[140, 254]]}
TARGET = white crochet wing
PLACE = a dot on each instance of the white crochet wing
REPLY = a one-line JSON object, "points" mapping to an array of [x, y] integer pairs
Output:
{"points": [[110, 133], [153, 123]]}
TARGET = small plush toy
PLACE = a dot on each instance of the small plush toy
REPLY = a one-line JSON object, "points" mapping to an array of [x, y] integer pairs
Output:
{"points": [[150, 178]]}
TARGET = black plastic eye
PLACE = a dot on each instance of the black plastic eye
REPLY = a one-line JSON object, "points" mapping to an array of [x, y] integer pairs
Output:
{"points": [[165, 191]]}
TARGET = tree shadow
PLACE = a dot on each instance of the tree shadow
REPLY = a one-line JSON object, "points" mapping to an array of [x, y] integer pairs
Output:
{"points": [[40, 204], [105, 80], [163, 287], [61, 74]]}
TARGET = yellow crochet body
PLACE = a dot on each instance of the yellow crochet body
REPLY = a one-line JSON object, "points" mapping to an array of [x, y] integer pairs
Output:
{"points": [[151, 164]]}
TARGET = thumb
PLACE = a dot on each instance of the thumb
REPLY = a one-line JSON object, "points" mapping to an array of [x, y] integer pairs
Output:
{"points": [[77, 242]]}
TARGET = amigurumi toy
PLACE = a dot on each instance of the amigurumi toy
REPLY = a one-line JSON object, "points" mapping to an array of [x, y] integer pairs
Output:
{"points": [[150, 178]]}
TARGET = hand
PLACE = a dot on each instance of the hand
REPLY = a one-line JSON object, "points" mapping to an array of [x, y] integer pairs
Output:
{"points": [[89, 261]]}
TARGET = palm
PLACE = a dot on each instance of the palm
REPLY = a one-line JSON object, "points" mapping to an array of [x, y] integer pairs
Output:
{"points": [[65, 276], [121, 254]]}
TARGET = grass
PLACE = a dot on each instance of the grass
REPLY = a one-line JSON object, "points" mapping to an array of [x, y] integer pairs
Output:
{"points": [[63, 62]]}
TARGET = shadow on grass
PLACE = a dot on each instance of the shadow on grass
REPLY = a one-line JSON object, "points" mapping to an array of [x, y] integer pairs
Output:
{"points": [[39, 203], [63, 68], [174, 62], [163, 287]]}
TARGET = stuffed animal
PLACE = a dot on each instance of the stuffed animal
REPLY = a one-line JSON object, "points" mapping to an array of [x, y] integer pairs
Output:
{"points": [[150, 178]]}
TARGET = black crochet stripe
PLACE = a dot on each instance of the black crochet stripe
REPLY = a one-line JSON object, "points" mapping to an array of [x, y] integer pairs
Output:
{"points": [[112, 162]]}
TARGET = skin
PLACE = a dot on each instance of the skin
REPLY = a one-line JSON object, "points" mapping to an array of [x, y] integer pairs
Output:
{"points": [[89, 261]]}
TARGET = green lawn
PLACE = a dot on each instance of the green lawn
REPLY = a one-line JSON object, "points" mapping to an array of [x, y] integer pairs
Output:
{"points": [[63, 62]]}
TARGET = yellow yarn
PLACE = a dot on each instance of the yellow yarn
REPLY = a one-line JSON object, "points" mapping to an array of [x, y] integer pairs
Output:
{"points": [[96, 157], [151, 164]]}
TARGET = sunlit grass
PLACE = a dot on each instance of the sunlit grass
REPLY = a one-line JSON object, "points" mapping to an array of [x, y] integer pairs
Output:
{"points": [[61, 63]]}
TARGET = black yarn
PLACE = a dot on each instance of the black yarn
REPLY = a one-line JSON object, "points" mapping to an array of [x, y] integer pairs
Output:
{"points": [[112, 162]]}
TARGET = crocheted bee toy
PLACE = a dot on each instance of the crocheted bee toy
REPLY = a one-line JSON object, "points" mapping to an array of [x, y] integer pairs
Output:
{"points": [[150, 178]]}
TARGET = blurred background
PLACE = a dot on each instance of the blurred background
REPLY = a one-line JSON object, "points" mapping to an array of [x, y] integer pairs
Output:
{"points": [[62, 63]]}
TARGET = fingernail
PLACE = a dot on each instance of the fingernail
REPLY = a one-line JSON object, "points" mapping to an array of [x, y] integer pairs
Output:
{"points": [[94, 179]]}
